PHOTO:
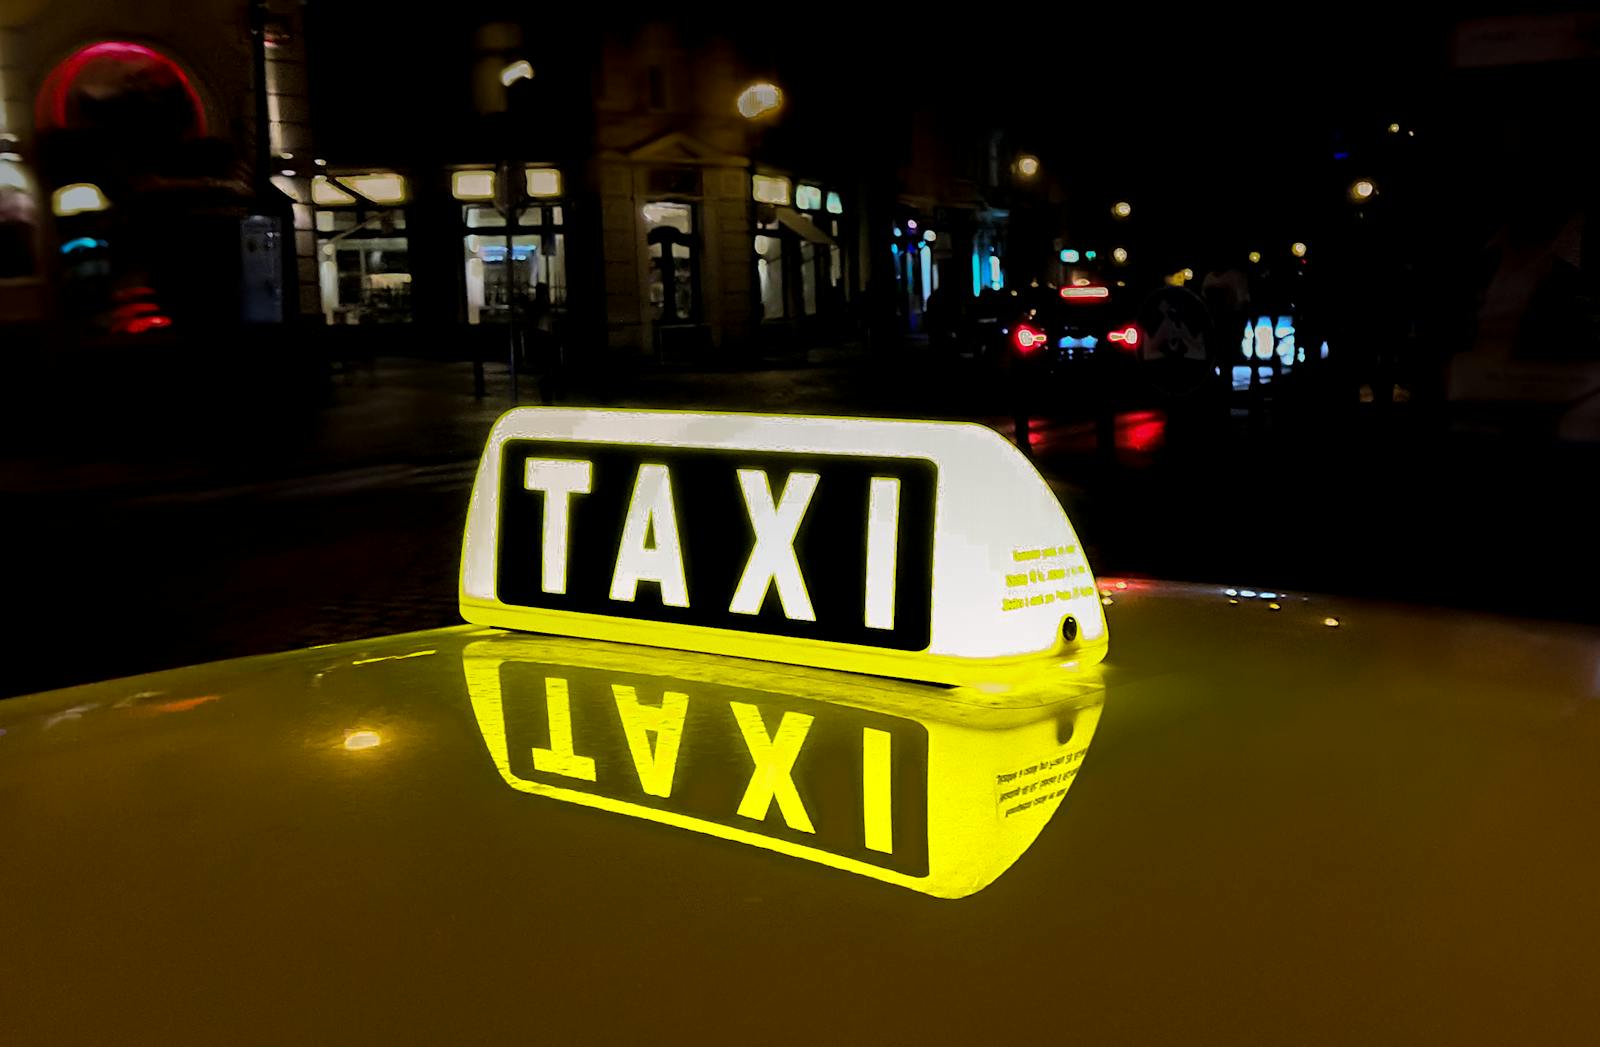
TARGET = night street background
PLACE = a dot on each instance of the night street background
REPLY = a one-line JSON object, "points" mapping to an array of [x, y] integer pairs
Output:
{"points": [[247, 528], [1301, 301]]}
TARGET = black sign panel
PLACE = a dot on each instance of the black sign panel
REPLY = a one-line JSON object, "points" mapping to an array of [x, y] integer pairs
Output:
{"points": [[574, 720], [712, 517]]}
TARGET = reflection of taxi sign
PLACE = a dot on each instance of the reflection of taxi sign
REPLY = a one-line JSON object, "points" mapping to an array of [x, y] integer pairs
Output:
{"points": [[925, 550], [863, 775]]}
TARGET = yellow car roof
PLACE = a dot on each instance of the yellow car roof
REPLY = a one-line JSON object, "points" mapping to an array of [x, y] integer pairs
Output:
{"points": [[1290, 819]]}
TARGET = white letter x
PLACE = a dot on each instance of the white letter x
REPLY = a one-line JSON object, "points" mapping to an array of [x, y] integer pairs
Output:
{"points": [[772, 557]]}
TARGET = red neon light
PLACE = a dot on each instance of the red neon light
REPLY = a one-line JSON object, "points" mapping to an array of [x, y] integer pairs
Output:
{"points": [[51, 107], [1028, 338], [1127, 336], [1086, 292]]}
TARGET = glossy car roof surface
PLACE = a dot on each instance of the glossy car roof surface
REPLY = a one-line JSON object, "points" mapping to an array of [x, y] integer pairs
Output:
{"points": [[1328, 822]]}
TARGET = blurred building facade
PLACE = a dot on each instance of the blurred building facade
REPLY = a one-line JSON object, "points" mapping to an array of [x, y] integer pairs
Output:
{"points": [[134, 144], [181, 167], [609, 193]]}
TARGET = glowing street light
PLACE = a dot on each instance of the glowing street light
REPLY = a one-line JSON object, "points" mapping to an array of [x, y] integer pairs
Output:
{"points": [[1362, 190], [1297, 249], [1027, 165], [521, 69], [1394, 129], [759, 99], [1119, 255], [1255, 256], [1122, 209]]}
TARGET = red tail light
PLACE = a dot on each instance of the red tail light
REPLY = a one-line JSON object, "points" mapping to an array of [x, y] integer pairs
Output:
{"points": [[1127, 337], [1028, 337]]}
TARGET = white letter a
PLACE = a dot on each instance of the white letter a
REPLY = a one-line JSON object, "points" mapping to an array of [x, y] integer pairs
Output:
{"points": [[650, 515]]}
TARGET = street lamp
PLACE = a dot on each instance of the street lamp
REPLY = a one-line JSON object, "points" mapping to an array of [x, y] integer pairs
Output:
{"points": [[1255, 256], [1297, 249], [1119, 255], [1362, 190], [1121, 209], [521, 69], [759, 99], [1027, 165]]}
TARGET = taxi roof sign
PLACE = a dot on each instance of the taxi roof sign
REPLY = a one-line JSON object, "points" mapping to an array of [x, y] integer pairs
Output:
{"points": [[926, 550]]}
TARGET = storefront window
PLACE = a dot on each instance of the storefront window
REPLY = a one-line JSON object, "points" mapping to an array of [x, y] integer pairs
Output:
{"points": [[364, 267], [535, 276], [770, 189], [19, 215], [674, 260], [769, 269]]}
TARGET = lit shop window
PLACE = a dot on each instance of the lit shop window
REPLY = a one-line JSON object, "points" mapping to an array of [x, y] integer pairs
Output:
{"points": [[363, 253], [770, 189], [808, 198], [542, 183], [472, 185], [674, 260], [383, 188], [769, 270], [533, 278], [78, 198]]}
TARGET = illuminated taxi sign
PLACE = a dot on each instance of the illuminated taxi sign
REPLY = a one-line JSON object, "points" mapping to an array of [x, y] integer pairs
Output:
{"points": [[867, 776], [924, 550]]}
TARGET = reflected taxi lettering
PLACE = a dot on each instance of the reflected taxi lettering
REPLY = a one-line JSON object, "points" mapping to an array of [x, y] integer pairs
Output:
{"points": [[845, 779], [835, 549]]}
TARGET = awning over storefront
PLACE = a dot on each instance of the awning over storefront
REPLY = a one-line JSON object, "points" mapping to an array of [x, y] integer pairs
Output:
{"points": [[796, 222]]}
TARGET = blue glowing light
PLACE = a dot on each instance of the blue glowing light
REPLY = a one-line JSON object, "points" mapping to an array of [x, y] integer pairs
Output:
{"points": [[1069, 255], [497, 252], [1089, 255], [894, 249], [1088, 341], [977, 274], [82, 243]]}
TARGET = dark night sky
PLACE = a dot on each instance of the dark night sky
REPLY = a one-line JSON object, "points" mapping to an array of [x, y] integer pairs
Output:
{"points": [[1219, 126]]}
